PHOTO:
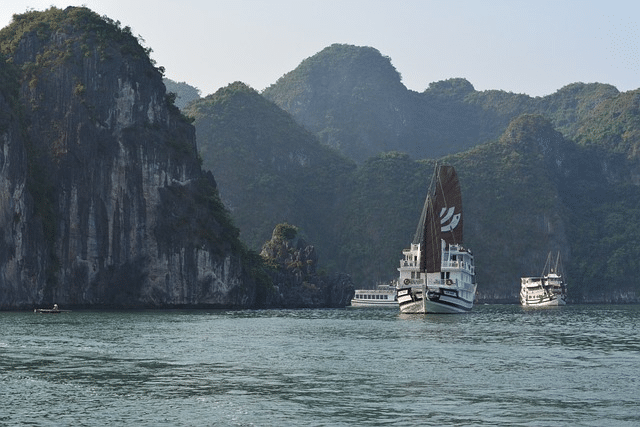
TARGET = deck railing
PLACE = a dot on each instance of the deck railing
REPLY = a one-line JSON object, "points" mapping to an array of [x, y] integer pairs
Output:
{"points": [[459, 264]]}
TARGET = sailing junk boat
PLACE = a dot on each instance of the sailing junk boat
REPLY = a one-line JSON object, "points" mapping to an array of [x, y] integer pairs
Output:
{"points": [[437, 272], [546, 290]]}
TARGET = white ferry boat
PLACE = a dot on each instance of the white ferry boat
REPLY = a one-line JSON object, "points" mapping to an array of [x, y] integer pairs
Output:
{"points": [[547, 290], [382, 296], [437, 274]]}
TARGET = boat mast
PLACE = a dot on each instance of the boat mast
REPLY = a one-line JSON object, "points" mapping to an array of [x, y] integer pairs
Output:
{"points": [[557, 270], [547, 265]]}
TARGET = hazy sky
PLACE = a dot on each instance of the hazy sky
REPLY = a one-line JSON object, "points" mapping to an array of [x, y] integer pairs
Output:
{"points": [[533, 47]]}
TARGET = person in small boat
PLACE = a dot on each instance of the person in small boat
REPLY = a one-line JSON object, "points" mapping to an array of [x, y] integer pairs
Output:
{"points": [[55, 306]]}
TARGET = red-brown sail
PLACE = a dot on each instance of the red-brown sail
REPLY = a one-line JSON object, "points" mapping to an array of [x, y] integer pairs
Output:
{"points": [[441, 218], [449, 205]]}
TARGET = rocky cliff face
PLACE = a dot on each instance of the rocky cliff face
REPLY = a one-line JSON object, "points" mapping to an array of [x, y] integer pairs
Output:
{"points": [[122, 214], [20, 235]]}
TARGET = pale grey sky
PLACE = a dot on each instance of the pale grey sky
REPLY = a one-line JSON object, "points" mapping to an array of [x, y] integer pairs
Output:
{"points": [[533, 47]]}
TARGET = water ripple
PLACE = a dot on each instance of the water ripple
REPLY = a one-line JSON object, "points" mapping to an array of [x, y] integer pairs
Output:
{"points": [[499, 365]]}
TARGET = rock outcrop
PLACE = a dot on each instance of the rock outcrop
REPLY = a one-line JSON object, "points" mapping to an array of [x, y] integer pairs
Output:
{"points": [[103, 202], [295, 281]]}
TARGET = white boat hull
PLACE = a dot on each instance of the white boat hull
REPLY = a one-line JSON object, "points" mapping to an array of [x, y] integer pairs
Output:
{"points": [[383, 296], [545, 302], [380, 304], [434, 307], [411, 301]]}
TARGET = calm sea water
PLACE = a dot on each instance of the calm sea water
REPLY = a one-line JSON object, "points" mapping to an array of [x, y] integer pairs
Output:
{"points": [[500, 365]]}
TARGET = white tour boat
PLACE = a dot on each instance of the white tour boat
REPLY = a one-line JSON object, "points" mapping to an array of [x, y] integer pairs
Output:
{"points": [[382, 296], [437, 274], [546, 290]]}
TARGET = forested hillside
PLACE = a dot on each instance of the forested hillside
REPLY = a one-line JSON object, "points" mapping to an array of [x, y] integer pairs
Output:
{"points": [[554, 173], [514, 209], [352, 99], [270, 169], [182, 93]]}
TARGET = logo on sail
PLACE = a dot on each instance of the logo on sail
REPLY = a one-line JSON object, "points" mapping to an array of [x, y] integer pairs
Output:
{"points": [[448, 220]]}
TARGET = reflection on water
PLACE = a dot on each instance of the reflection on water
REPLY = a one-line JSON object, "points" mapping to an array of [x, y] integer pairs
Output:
{"points": [[498, 365]]}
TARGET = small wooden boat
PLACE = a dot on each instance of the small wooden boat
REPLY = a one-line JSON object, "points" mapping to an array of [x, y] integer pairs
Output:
{"points": [[54, 310]]}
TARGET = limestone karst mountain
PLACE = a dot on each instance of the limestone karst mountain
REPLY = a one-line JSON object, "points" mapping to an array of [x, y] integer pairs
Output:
{"points": [[103, 199]]}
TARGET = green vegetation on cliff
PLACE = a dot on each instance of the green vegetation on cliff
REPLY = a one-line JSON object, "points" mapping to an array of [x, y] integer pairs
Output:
{"points": [[613, 124], [351, 99], [294, 279], [98, 32]]}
